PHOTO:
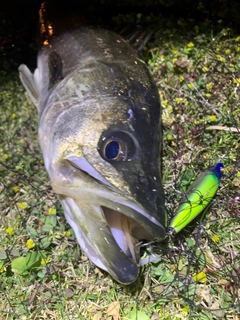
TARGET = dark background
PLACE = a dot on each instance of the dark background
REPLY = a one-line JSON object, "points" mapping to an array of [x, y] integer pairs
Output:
{"points": [[19, 19], [23, 13]]}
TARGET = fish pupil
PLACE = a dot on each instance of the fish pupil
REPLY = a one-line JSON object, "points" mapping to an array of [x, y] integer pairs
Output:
{"points": [[112, 150], [116, 146]]}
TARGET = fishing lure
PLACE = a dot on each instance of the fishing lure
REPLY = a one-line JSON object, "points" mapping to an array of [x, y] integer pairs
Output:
{"points": [[198, 196]]}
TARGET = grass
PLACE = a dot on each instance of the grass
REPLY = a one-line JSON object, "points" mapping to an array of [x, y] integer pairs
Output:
{"points": [[198, 277]]}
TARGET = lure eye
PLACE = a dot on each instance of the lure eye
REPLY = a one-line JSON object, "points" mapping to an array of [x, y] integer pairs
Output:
{"points": [[113, 149], [117, 146]]}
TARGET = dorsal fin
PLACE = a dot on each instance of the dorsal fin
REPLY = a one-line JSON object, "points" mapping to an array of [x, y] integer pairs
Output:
{"points": [[138, 38]]}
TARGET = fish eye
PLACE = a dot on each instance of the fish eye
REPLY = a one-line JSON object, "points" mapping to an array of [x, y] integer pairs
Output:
{"points": [[116, 146], [113, 149]]}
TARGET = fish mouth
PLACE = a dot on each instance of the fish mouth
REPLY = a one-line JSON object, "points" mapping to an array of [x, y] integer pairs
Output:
{"points": [[108, 226]]}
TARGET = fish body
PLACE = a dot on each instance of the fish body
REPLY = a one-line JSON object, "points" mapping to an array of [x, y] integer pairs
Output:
{"points": [[197, 198], [99, 131]]}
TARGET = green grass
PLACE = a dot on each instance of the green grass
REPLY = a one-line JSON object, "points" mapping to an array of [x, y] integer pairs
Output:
{"points": [[198, 277]]}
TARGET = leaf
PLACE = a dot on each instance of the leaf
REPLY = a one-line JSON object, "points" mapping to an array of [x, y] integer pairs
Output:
{"points": [[45, 242], [224, 282], [180, 264], [233, 129], [47, 227], [3, 255], [97, 316], [33, 259], [23, 265], [170, 65], [15, 252], [190, 242], [113, 310], [52, 220], [33, 232], [49, 223], [41, 274], [19, 266], [139, 315]]}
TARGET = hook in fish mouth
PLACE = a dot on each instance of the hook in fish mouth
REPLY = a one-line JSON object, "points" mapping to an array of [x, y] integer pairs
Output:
{"points": [[107, 225]]}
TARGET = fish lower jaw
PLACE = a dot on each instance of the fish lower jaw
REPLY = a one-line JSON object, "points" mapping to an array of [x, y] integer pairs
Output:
{"points": [[108, 237]]}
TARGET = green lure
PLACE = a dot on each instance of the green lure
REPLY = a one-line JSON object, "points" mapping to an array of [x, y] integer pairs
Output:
{"points": [[197, 198]]}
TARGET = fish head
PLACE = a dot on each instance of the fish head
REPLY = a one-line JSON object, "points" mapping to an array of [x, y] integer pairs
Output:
{"points": [[100, 136]]}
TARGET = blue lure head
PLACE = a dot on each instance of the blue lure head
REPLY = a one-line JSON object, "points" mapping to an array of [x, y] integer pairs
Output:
{"points": [[217, 170]]}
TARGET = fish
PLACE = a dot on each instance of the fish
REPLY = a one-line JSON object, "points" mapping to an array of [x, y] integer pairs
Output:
{"points": [[99, 130], [197, 198]]}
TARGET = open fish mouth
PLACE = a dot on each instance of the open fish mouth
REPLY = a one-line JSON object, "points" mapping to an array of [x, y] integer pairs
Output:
{"points": [[108, 226]]}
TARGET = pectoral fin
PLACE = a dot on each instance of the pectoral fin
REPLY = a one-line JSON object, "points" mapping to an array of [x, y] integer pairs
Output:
{"points": [[30, 82]]}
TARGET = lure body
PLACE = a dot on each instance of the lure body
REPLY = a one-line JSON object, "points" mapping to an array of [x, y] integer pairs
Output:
{"points": [[197, 198]]}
